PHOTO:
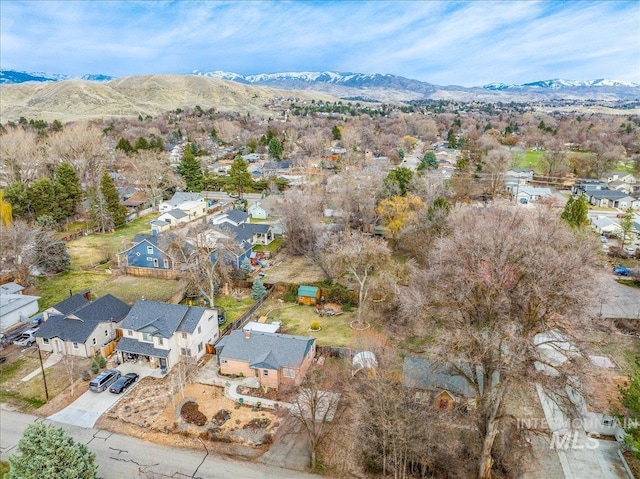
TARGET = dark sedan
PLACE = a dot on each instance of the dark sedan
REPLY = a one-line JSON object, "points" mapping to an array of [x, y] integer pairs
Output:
{"points": [[123, 383]]}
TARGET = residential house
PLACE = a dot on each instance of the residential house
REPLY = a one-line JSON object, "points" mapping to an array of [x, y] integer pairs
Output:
{"points": [[136, 201], [610, 199], [584, 187], [523, 176], [15, 306], [163, 334], [605, 226], [190, 203], [145, 253], [83, 331], [175, 217], [441, 385], [274, 359], [158, 226], [618, 185], [531, 193], [621, 176], [234, 217], [257, 211]]}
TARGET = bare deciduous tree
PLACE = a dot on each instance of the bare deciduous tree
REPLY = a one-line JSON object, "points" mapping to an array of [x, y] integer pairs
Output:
{"points": [[504, 288], [357, 255]]}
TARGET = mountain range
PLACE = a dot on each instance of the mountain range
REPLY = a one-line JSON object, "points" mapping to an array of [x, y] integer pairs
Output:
{"points": [[387, 87]]}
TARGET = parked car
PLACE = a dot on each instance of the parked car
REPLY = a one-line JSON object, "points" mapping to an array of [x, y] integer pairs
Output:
{"points": [[603, 239], [123, 383], [103, 380], [630, 250], [622, 271], [26, 338]]}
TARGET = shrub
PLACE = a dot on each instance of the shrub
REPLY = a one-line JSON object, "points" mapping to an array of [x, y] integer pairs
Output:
{"points": [[347, 307], [95, 367], [315, 325], [102, 362], [290, 296], [85, 375]]}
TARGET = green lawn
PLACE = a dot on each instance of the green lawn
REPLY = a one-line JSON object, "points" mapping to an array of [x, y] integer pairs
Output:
{"points": [[232, 307], [334, 330], [54, 289], [272, 247], [98, 249]]}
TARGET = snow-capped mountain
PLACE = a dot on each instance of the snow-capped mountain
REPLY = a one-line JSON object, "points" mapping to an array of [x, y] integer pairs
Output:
{"points": [[14, 76], [558, 84]]}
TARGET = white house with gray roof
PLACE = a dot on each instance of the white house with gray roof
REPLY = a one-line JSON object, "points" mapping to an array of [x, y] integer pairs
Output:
{"points": [[162, 334], [182, 200], [15, 306], [84, 327]]}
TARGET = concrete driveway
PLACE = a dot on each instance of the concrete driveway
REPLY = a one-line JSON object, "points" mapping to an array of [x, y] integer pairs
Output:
{"points": [[88, 408]]}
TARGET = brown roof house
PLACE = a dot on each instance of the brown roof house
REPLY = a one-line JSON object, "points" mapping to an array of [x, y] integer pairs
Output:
{"points": [[273, 359]]}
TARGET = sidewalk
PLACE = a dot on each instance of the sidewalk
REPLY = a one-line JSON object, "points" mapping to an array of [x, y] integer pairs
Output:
{"points": [[209, 375], [51, 360]]}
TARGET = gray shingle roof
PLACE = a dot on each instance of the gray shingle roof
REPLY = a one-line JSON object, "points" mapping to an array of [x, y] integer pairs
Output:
{"points": [[429, 376], [72, 303], [267, 350], [78, 325], [130, 345], [237, 216], [182, 196], [162, 319], [11, 288]]}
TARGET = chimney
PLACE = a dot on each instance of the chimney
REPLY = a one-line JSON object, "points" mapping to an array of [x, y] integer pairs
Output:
{"points": [[247, 333]]}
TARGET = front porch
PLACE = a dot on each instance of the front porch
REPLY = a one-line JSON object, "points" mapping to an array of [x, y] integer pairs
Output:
{"points": [[131, 351]]}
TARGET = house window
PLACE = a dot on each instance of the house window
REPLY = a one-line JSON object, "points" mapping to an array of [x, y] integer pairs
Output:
{"points": [[45, 341], [184, 335], [147, 337], [224, 361], [160, 341], [94, 341], [200, 347], [130, 332], [149, 259], [155, 262], [75, 345], [149, 249], [106, 332], [185, 351], [166, 263], [199, 329], [288, 372], [265, 373]]}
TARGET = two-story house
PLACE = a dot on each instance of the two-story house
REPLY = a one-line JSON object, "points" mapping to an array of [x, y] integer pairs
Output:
{"points": [[145, 253], [162, 334], [84, 328]]}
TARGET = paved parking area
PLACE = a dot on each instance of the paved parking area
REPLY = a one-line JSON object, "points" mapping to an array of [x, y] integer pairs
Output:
{"points": [[88, 408]]}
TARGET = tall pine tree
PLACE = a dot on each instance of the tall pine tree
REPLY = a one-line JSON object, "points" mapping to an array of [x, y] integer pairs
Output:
{"points": [[116, 209], [190, 169], [69, 192]]}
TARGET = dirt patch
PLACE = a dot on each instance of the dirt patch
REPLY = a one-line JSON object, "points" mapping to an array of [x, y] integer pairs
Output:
{"points": [[149, 412], [292, 270], [282, 395]]}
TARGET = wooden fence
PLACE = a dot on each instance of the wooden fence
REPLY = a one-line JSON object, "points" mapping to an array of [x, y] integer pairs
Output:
{"points": [[246, 316], [152, 273], [107, 349]]}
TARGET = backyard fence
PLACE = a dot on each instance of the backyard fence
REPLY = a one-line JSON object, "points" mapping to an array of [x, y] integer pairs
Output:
{"points": [[246, 316]]}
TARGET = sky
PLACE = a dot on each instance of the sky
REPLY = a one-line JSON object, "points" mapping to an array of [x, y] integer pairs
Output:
{"points": [[445, 43]]}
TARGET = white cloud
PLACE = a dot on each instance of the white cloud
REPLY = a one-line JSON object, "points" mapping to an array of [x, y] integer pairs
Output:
{"points": [[467, 43]]}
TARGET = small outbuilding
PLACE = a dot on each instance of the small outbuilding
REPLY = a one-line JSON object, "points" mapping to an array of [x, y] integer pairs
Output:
{"points": [[364, 364], [309, 295]]}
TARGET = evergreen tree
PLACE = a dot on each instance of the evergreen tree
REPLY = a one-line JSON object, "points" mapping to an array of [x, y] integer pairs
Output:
{"points": [[576, 212], [258, 289], [42, 198], [428, 162], [17, 196], [99, 213], [397, 181], [141, 144], [245, 266], [451, 139], [69, 192], [626, 225], [48, 452], [110, 193], [239, 176], [190, 169], [124, 145], [275, 149], [336, 133]]}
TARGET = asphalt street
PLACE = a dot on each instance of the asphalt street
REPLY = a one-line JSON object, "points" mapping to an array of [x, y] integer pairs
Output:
{"points": [[120, 456]]}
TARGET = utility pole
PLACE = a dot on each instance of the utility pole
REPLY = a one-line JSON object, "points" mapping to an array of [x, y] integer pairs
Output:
{"points": [[44, 378]]}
